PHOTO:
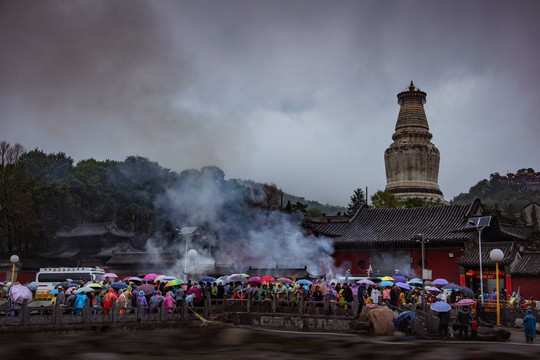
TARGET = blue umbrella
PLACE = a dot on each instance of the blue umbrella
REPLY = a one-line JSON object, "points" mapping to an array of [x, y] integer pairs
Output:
{"points": [[404, 315], [134, 278], [32, 286], [415, 281], [386, 283], [440, 306], [208, 279], [119, 285], [53, 291], [399, 278], [304, 282]]}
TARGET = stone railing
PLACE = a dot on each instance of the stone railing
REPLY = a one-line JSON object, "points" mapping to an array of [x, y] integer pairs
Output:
{"points": [[209, 308]]}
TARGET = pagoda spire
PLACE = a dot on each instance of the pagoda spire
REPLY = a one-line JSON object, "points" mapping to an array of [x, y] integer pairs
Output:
{"points": [[412, 161]]}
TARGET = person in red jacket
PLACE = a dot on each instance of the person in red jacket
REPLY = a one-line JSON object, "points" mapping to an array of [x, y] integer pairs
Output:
{"points": [[108, 300]]}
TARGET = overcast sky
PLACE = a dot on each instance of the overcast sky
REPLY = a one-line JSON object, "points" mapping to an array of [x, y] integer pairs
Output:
{"points": [[298, 93]]}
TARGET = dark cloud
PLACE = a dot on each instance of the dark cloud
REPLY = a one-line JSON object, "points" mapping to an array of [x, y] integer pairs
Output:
{"points": [[298, 93]]}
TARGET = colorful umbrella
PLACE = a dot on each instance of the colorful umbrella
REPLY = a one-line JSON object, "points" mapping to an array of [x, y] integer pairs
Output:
{"points": [[387, 278], [174, 282], [150, 277], [440, 306], [466, 302]]}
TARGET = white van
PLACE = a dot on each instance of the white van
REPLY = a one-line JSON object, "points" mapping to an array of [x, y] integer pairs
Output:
{"points": [[48, 278]]}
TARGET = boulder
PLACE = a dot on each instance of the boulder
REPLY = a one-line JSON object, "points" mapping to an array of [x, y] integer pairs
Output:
{"points": [[493, 334], [518, 323], [382, 321]]}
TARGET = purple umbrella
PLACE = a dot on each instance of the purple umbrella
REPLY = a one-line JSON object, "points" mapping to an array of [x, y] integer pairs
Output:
{"points": [[255, 279], [365, 281], [19, 293], [440, 306], [440, 282], [403, 285], [400, 278]]}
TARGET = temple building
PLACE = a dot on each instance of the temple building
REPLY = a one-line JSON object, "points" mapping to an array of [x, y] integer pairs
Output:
{"points": [[412, 161]]}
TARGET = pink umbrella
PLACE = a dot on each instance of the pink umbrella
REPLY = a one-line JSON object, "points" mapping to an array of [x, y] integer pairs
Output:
{"points": [[466, 302], [150, 277], [366, 281], [284, 279], [110, 275], [254, 279]]}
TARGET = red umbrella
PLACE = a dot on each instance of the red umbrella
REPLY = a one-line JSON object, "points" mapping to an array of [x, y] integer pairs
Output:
{"points": [[198, 294], [267, 278]]}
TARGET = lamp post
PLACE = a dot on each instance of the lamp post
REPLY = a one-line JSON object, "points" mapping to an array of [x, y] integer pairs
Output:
{"points": [[14, 259], [191, 255], [497, 256], [187, 232], [480, 223], [420, 238]]}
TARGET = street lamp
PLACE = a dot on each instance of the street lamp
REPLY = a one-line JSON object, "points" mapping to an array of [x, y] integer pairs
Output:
{"points": [[191, 255], [420, 238], [188, 233], [497, 256], [14, 259], [480, 223]]}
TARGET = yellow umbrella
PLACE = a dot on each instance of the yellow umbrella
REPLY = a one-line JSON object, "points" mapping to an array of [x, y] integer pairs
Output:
{"points": [[387, 278], [160, 277]]}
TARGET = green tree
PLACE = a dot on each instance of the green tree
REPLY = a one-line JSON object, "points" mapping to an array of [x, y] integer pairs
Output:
{"points": [[384, 200], [357, 200], [414, 202], [19, 223]]}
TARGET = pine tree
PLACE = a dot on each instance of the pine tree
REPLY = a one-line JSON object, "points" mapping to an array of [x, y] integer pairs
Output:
{"points": [[357, 200]]}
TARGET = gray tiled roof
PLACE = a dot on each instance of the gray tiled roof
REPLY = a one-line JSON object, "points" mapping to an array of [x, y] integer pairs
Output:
{"points": [[441, 225], [96, 229], [529, 265], [471, 255]]}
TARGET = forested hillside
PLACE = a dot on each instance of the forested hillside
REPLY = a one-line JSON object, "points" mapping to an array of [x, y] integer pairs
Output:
{"points": [[507, 194]]}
